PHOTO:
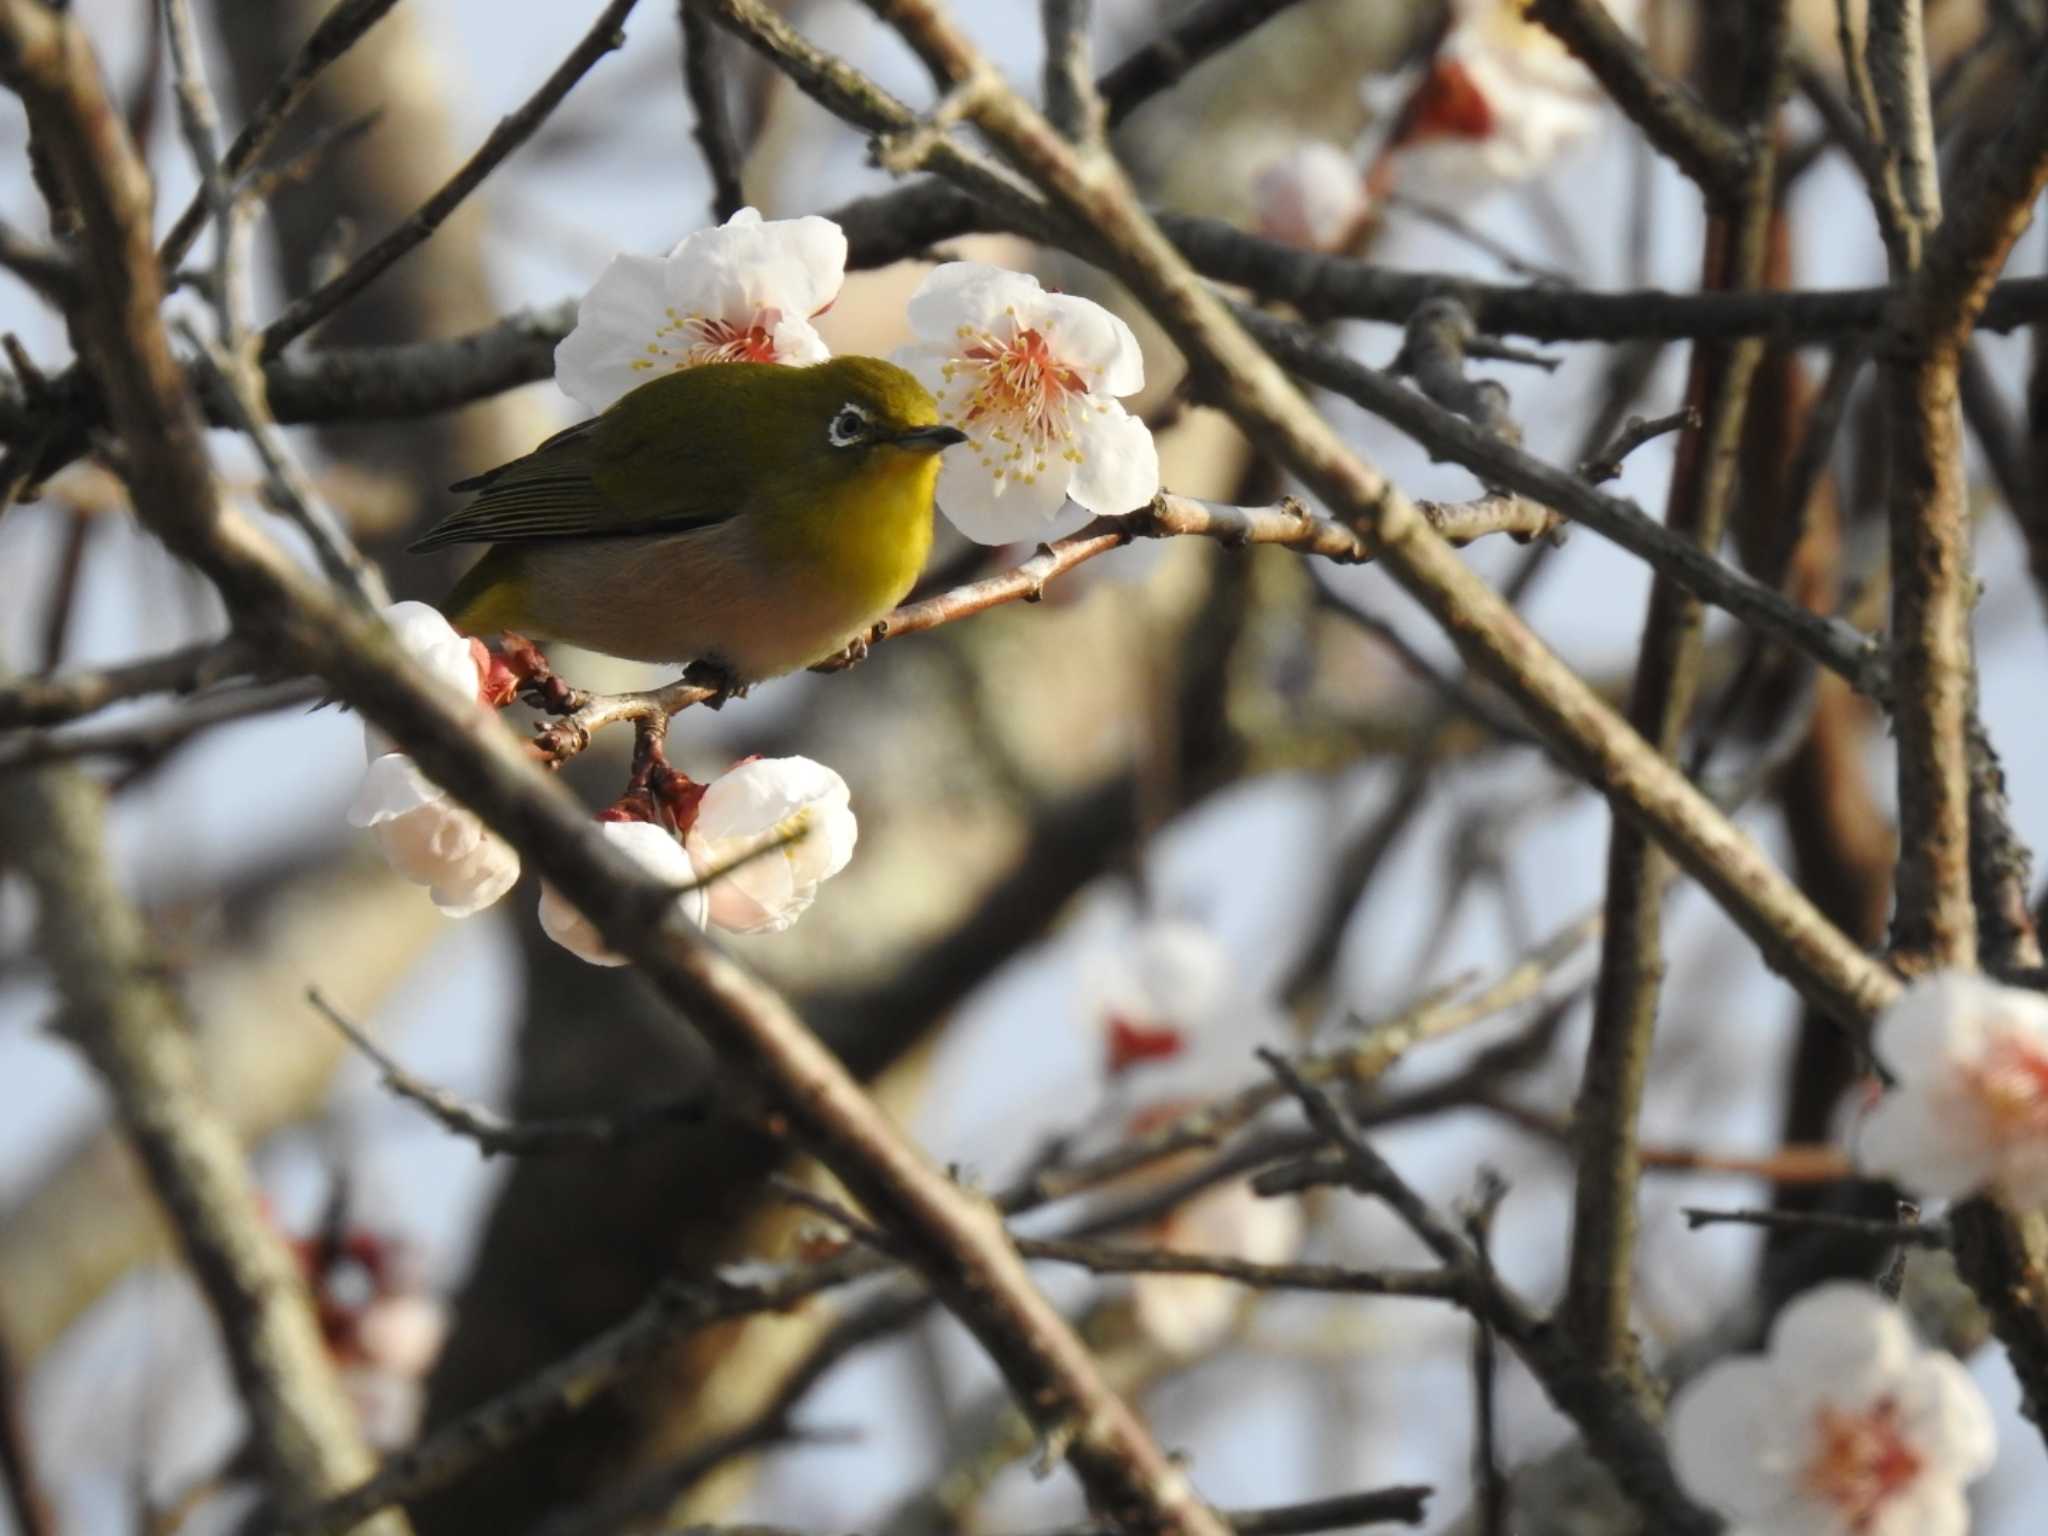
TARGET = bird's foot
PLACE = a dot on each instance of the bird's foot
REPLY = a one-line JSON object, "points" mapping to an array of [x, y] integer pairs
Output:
{"points": [[532, 678], [854, 652], [724, 683]]}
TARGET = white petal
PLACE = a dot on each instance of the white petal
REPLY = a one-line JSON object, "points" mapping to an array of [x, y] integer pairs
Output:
{"points": [[477, 880], [1945, 1417], [655, 850], [972, 294], [1310, 196], [1938, 1021], [403, 1333], [427, 637], [794, 266], [1092, 341], [1929, 1506], [1724, 1426], [1927, 1141], [742, 817], [392, 786], [1842, 1340], [994, 508], [1119, 468], [1185, 1315], [798, 343], [618, 321]]}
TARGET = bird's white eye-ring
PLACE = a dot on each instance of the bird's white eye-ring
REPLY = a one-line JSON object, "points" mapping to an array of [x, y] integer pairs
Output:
{"points": [[848, 427]]}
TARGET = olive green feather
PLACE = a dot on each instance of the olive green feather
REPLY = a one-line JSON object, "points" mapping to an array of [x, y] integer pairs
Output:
{"points": [[630, 471]]}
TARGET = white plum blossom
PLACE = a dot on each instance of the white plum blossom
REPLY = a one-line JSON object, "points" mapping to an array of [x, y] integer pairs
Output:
{"points": [[1189, 1315], [743, 292], [1503, 98], [745, 814], [1155, 990], [657, 851], [430, 839], [1032, 378], [1312, 196], [1846, 1427], [1969, 1111], [430, 642]]}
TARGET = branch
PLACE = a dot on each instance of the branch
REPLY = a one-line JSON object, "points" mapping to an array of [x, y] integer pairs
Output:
{"points": [[490, 1131], [1834, 644], [1704, 485], [53, 701], [513, 130], [124, 1015], [1670, 116], [704, 84], [338, 31], [954, 1238], [1617, 1431]]}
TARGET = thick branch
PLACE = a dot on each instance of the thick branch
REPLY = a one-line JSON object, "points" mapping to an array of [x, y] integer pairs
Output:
{"points": [[123, 1013], [955, 1238]]}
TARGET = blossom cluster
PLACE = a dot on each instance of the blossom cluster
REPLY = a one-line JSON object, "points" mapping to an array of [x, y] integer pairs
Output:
{"points": [[1031, 377], [1847, 1427], [1499, 101], [1176, 1026], [762, 838]]}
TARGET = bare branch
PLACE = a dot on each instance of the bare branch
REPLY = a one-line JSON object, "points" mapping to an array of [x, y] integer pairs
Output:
{"points": [[513, 130]]}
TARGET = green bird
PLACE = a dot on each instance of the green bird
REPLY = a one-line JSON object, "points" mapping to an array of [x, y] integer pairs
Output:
{"points": [[752, 516]]}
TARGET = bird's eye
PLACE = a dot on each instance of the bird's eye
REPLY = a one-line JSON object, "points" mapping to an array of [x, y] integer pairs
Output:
{"points": [[850, 426]]}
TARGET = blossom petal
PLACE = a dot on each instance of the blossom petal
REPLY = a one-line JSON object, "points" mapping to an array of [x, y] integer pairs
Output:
{"points": [[972, 294], [392, 786], [616, 334], [795, 266], [1937, 1020], [1928, 1142], [1945, 1415], [1721, 1426], [1119, 468], [655, 850], [1837, 1341], [767, 835], [993, 508], [1094, 341]]}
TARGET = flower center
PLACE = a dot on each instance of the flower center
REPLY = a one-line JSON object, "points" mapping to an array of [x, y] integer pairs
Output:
{"points": [[1861, 1461], [1022, 382], [2010, 1081], [689, 341]]}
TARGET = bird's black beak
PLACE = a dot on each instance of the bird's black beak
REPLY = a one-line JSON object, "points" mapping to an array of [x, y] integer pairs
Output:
{"points": [[932, 439]]}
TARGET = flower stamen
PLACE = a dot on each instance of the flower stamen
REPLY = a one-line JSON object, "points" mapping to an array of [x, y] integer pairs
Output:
{"points": [[1861, 1461]]}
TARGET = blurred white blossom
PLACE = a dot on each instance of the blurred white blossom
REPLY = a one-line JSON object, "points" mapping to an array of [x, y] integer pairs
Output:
{"points": [[430, 642], [745, 813], [383, 1328], [430, 839], [1503, 99], [1191, 1314], [1846, 1427], [743, 292], [1155, 989], [657, 851], [1312, 196], [1969, 1111], [1031, 377]]}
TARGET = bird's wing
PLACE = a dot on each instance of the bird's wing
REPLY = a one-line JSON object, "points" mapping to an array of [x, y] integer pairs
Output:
{"points": [[647, 465]]}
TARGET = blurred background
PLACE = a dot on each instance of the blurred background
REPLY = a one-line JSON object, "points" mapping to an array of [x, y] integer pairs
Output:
{"points": [[1210, 766]]}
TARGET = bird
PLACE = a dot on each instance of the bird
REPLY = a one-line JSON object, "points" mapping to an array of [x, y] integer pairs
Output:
{"points": [[753, 518]]}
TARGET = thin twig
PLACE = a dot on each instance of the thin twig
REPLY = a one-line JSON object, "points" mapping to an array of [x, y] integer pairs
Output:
{"points": [[513, 130], [704, 84], [338, 31], [492, 1133]]}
